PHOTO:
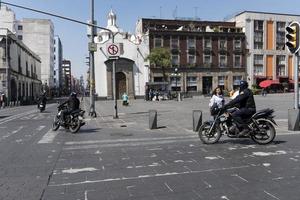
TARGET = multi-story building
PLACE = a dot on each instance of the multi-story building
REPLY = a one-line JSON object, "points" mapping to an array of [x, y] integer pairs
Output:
{"points": [[205, 54], [131, 66], [66, 77], [38, 35], [20, 70], [58, 57], [267, 57]]}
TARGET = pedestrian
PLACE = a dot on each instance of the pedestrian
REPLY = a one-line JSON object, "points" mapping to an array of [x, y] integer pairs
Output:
{"points": [[264, 92], [217, 101], [1, 99], [125, 99]]}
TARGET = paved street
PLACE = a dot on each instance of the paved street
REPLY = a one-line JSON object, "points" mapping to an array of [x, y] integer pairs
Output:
{"points": [[123, 159]]}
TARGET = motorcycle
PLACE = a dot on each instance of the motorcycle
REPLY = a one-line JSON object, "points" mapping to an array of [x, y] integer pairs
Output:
{"points": [[73, 121], [42, 107], [261, 127]]}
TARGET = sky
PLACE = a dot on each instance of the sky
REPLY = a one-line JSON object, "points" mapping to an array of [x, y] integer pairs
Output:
{"points": [[73, 36]]}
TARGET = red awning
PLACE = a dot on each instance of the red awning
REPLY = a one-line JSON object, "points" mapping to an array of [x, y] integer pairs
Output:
{"points": [[268, 83]]}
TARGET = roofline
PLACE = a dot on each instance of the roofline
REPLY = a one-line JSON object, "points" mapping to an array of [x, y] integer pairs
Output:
{"points": [[199, 21], [270, 13]]}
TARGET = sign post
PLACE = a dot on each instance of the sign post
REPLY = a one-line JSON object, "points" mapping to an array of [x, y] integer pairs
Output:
{"points": [[113, 51], [293, 44]]}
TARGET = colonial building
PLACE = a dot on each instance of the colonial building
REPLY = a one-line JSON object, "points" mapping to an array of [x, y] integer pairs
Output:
{"points": [[38, 36], [131, 67], [20, 70], [205, 54], [267, 57]]}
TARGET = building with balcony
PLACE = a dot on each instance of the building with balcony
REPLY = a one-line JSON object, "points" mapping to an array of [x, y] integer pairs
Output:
{"points": [[204, 54], [267, 57], [20, 70]]}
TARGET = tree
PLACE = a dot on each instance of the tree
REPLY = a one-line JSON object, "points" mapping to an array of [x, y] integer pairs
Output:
{"points": [[160, 57]]}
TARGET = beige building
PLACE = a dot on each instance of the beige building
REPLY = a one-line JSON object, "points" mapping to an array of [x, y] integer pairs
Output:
{"points": [[20, 70], [267, 57]]}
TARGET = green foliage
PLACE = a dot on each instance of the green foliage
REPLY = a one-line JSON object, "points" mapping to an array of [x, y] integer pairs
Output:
{"points": [[160, 57]]}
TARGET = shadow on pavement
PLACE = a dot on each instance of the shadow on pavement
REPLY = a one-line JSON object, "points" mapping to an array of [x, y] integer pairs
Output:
{"points": [[4, 116], [246, 141], [86, 131]]}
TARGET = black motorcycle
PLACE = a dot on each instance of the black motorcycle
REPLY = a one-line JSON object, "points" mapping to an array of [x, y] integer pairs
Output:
{"points": [[41, 106], [73, 121], [261, 127]]}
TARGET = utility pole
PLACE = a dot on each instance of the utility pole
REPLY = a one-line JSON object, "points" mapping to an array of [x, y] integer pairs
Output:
{"points": [[92, 112]]}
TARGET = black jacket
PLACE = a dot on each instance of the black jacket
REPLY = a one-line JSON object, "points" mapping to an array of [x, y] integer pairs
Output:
{"points": [[244, 100], [73, 103], [42, 99]]}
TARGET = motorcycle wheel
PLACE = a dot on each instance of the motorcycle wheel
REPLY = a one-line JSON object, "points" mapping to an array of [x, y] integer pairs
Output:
{"points": [[209, 138], [266, 133], [55, 124], [75, 125]]}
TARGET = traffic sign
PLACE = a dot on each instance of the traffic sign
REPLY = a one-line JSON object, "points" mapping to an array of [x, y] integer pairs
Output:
{"points": [[113, 49], [92, 46]]}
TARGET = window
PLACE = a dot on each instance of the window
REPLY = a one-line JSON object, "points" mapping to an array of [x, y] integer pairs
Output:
{"points": [[175, 60], [158, 42], [237, 61], [207, 60], [20, 27], [236, 81], [222, 43], [158, 79], [258, 34], [19, 64], [258, 25], [223, 61], [174, 42], [191, 43], [280, 65], [258, 59], [192, 59], [280, 35], [175, 83], [191, 83], [237, 44], [20, 37], [207, 43], [221, 82]]}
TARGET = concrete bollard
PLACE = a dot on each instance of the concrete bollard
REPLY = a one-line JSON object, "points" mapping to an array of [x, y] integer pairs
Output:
{"points": [[152, 119], [293, 119], [197, 119]]}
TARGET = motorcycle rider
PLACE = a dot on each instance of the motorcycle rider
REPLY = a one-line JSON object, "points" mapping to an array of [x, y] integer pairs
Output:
{"points": [[246, 104], [42, 99], [73, 104]]}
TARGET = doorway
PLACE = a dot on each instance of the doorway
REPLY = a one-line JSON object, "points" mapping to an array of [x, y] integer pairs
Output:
{"points": [[207, 85], [120, 84]]}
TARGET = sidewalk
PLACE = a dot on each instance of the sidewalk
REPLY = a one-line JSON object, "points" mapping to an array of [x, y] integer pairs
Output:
{"points": [[174, 118]]}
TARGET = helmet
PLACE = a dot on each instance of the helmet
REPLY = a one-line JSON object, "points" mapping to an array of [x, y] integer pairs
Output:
{"points": [[243, 85], [73, 94]]}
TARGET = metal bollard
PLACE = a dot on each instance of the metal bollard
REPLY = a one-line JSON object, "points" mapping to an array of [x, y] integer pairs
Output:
{"points": [[197, 119], [152, 119]]}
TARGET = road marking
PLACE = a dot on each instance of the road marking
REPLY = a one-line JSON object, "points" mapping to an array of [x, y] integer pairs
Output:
{"points": [[151, 176], [48, 137], [7, 119], [271, 195], [40, 128], [74, 171], [169, 187], [130, 140], [12, 133]]}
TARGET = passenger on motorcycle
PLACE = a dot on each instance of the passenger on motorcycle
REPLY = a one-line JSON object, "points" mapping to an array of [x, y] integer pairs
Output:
{"points": [[217, 101], [73, 104], [246, 104]]}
